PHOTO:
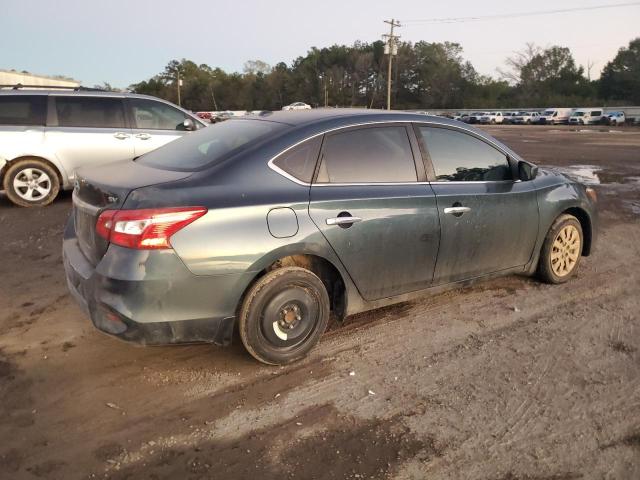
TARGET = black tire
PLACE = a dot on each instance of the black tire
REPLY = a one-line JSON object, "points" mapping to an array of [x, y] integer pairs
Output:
{"points": [[545, 264], [290, 300], [27, 171]]}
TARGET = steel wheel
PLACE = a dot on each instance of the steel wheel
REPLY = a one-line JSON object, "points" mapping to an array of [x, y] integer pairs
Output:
{"points": [[565, 251], [289, 316], [283, 315], [32, 184]]}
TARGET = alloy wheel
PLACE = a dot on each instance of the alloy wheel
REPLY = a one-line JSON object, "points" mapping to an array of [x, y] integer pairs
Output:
{"points": [[32, 184], [565, 251]]}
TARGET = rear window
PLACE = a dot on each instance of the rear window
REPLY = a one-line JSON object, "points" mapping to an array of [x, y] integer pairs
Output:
{"points": [[90, 112], [23, 109], [210, 145]]}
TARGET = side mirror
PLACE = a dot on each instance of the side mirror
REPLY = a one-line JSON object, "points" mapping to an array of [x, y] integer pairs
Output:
{"points": [[527, 171], [189, 124]]}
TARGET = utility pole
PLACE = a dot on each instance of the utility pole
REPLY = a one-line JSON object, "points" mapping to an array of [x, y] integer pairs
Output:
{"points": [[590, 65], [391, 48], [326, 93], [213, 96], [179, 83]]}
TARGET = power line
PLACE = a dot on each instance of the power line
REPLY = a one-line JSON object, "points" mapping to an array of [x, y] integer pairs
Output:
{"points": [[434, 21]]}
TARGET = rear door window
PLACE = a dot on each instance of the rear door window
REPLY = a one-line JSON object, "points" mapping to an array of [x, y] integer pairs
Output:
{"points": [[23, 110], [367, 155], [152, 115], [90, 112], [459, 157]]}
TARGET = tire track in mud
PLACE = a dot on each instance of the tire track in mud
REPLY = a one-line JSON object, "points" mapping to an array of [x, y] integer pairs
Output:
{"points": [[342, 447]]}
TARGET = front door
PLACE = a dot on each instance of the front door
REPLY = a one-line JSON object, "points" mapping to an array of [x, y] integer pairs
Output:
{"points": [[367, 201], [154, 124], [489, 221], [88, 130]]}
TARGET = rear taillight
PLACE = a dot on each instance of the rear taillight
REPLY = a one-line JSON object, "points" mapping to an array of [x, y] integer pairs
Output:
{"points": [[145, 229]]}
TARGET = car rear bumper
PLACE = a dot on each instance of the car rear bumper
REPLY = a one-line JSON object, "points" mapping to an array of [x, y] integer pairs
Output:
{"points": [[150, 297]]}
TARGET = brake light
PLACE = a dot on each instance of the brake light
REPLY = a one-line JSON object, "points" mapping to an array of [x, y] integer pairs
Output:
{"points": [[145, 229]]}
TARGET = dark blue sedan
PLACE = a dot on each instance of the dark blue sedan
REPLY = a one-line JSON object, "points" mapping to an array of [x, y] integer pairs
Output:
{"points": [[273, 223]]}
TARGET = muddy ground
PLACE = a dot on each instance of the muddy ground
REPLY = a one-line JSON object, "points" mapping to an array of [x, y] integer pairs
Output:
{"points": [[509, 379]]}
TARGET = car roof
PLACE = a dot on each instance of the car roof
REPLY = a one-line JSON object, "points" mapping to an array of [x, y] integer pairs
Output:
{"points": [[82, 93]]}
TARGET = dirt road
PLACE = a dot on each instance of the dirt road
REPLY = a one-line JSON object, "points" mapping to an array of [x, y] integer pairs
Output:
{"points": [[510, 379]]}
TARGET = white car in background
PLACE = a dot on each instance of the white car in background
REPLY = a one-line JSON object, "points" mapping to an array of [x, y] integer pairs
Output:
{"points": [[614, 118], [475, 117], [586, 116], [526, 118], [297, 106], [492, 117], [554, 116], [46, 135], [506, 116]]}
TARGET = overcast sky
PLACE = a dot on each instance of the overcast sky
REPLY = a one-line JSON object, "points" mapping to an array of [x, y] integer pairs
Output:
{"points": [[126, 41]]}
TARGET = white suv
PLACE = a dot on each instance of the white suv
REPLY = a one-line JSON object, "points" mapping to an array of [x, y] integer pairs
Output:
{"points": [[46, 135], [492, 117]]}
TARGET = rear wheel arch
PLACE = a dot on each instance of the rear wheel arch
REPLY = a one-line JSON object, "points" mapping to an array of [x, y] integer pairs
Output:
{"points": [[33, 157], [328, 273], [49, 179]]}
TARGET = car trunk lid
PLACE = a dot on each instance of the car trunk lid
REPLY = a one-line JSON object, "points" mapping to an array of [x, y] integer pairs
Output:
{"points": [[106, 188]]}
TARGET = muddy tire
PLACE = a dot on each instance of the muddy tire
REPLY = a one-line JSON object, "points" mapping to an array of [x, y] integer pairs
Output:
{"points": [[283, 315], [561, 251], [31, 183]]}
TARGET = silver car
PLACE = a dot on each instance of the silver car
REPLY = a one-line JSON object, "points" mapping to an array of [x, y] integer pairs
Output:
{"points": [[45, 136]]}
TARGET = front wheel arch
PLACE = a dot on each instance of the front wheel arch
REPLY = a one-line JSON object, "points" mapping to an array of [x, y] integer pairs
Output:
{"points": [[585, 223]]}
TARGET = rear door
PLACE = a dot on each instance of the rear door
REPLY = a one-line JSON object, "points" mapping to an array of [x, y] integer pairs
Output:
{"points": [[87, 130], [375, 209], [154, 124], [489, 220]]}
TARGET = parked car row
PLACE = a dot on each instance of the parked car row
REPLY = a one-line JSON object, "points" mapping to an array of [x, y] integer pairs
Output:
{"points": [[551, 116], [222, 115]]}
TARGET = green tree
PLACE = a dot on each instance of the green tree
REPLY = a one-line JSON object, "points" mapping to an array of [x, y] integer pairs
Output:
{"points": [[620, 78]]}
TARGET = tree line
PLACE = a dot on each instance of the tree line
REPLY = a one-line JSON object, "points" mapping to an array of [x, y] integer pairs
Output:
{"points": [[425, 76]]}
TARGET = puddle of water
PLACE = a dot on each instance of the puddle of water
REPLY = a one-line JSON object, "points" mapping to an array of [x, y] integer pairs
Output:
{"points": [[634, 206]]}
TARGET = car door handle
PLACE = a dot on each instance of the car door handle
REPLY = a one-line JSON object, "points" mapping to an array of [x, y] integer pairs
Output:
{"points": [[121, 135], [143, 136], [343, 220], [457, 210]]}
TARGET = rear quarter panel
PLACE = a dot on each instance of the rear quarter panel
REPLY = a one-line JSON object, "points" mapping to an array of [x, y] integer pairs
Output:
{"points": [[234, 236], [28, 141]]}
